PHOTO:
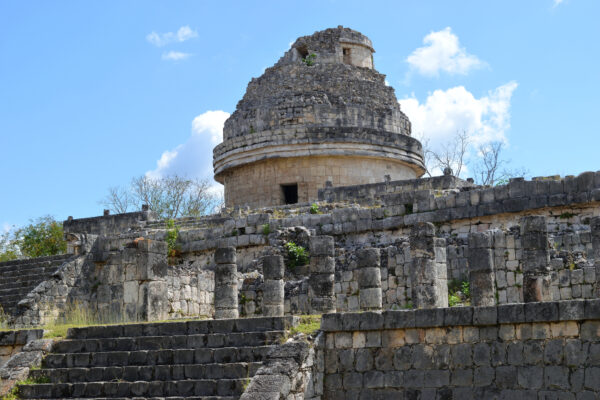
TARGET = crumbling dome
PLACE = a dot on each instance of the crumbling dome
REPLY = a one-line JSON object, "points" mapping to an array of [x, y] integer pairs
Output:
{"points": [[321, 113]]}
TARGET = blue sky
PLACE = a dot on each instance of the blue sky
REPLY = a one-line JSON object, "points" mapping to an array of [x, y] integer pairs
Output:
{"points": [[95, 93]]}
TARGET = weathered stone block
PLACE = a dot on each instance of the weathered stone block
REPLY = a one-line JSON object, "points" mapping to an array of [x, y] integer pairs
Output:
{"points": [[322, 246], [273, 267], [369, 257], [225, 255]]}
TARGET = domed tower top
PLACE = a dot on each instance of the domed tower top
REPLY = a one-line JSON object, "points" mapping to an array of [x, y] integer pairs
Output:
{"points": [[333, 46], [321, 113]]}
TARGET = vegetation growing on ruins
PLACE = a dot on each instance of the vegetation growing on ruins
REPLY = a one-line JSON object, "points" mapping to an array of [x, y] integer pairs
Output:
{"points": [[297, 255], [314, 209], [171, 238], [42, 237], [169, 197], [309, 60], [266, 229], [459, 293], [308, 325]]}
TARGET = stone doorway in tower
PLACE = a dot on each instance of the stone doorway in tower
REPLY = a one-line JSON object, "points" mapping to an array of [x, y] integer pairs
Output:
{"points": [[290, 193], [347, 52]]}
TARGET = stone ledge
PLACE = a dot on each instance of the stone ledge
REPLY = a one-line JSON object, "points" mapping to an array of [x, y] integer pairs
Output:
{"points": [[555, 311]]}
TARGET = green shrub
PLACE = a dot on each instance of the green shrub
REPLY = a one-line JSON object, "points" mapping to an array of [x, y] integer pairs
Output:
{"points": [[297, 255], [171, 237], [266, 229], [314, 209], [309, 60]]}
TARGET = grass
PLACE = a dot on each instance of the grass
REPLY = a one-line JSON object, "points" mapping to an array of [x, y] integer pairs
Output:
{"points": [[78, 316], [309, 324], [14, 392]]}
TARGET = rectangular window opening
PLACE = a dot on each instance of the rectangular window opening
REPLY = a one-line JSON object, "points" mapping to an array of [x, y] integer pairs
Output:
{"points": [[290, 193], [347, 55]]}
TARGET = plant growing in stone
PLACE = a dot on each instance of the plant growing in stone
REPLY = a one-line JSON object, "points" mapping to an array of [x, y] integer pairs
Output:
{"points": [[309, 60], [314, 209], [171, 238], [297, 255], [266, 229]]}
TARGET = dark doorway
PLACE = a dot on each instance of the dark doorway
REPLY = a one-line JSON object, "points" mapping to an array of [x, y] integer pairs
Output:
{"points": [[290, 193], [347, 55]]}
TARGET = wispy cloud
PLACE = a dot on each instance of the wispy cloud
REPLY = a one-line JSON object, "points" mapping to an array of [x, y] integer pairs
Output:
{"points": [[175, 56], [557, 3], [442, 52], [162, 39]]}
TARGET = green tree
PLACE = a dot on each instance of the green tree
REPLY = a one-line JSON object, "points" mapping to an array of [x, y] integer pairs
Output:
{"points": [[8, 246], [42, 237]]}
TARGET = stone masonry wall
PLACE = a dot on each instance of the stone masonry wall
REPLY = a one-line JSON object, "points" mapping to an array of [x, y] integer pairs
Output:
{"points": [[529, 351], [259, 183]]}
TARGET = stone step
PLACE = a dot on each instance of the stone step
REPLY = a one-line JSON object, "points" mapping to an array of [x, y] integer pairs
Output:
{"points": [[7, 265], [158, 357], [158, 398], [18, 284], [21, 291], [213, 340], [6, 276], [259, 324], [184, 388], [173, 372]]}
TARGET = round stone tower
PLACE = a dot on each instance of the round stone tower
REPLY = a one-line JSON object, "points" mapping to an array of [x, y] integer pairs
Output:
{"points": [[322, 113]]}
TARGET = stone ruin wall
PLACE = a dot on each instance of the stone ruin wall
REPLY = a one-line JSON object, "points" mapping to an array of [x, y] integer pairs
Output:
{"points": [[101, 280], [259, 183], [523, 351]]}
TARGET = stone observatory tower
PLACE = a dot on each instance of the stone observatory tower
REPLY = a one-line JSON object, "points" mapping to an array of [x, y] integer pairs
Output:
{"points": [[321, 113]]}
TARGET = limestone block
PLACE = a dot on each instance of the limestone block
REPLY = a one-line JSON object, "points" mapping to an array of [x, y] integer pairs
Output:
{"points": [[369, 277], [273, 292], [369, 257], [322, 246], [322, 265], [273, 267], [370, 298], [225, 255], [225, 274]]}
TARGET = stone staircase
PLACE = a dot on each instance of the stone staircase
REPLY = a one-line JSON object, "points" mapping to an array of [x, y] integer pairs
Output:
{"points": [[19, 277], [211, 359]]}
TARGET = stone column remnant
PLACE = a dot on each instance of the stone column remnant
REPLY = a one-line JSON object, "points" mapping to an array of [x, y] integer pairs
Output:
{"points": [[429, 276], [481, 269], [321, 294], [369, 279], [595, 228], [226, 293], [273, 287], [536, 259]]}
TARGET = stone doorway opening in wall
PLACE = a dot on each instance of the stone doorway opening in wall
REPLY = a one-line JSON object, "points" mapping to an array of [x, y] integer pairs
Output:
{"points": [[347, 55], [290, 193]]}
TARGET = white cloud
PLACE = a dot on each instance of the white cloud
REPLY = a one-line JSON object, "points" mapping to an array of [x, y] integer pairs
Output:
{"points": [[442, 52], [557, 3], [6, 227], [162, 39], [175, 56], [446, 112], [194, 157]]}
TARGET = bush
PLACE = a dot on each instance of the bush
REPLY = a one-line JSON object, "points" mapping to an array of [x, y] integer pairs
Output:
{"points": [[42, 237], [171, 238], [314, 209], [309, 60], [297, 255]]}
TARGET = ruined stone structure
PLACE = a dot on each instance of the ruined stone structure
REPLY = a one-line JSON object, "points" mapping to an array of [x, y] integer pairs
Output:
{"points": [[302, 123], [377, 251]]}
